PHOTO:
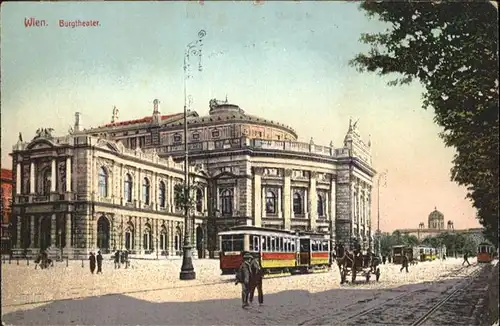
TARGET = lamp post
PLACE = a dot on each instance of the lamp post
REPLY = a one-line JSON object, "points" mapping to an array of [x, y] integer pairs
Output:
{"points": [[187, 269], [382, 174], [59, 233]]}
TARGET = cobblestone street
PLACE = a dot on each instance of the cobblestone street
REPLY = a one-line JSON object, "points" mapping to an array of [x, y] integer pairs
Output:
{"points": [[151, 294]]}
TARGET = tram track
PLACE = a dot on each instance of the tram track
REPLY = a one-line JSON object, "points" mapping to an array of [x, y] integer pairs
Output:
{"points": [[402, 309], [357, 316]]}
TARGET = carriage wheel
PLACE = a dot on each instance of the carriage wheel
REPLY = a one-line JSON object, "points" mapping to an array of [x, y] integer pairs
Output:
{"points": [[377, 274]]}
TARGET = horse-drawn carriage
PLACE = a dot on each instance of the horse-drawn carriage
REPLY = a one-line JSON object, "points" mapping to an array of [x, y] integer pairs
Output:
{"points": [[352, 262]]}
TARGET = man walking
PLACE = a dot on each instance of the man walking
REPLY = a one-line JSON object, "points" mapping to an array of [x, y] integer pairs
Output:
{"points": [[405, 263], [243, 277], [99, 262], [466, 259], [257, 274]]}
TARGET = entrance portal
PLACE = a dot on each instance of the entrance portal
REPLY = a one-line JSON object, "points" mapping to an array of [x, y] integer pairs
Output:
{"points": [[45, 227], [199, 242], [103, 234]]}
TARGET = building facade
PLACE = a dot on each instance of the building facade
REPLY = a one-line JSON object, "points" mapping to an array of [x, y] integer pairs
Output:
{"points": [[6, 183], [248, 170]]}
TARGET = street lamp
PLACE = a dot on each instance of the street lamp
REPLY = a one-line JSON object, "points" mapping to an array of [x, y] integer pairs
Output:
{"points": [[382, 174], [187, 269]]}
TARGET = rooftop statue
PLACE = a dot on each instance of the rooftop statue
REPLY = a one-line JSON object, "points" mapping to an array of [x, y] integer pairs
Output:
{"points": [[44, 133]]}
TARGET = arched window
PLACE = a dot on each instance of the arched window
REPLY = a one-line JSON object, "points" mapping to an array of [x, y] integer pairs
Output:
{"points": [[226, 198], [163, 238], [297, 203], [145, 191], [199, 200], [161, 194], [147, 239], [103, 182], [270, 202], [46, 181], [127, 189], [321, 206]]}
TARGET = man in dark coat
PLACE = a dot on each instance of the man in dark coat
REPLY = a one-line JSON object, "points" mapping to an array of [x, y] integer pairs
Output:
{"points": [[117, 259], [256, 276], [92, 262], [99, 262], [404, 264], [466, 259], [243, 277]]}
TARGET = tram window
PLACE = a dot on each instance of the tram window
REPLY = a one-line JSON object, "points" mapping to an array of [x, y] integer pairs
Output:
{"points": [[232, 242], [255, 242], [281, 244], [314, 246], [273, 244], [264, 244], [293, 246], [288, 245]]}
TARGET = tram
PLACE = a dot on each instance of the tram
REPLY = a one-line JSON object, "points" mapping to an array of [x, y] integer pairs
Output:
{"points": [[485, 252], [278, 251]]}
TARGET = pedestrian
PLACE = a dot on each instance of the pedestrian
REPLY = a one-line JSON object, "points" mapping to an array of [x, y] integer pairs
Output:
{"points": [[127, 262], [92, 262], [256, 276], [243, 277], [404, 264], [117, 259], [466, 259], [99, 262], [383, 259]]}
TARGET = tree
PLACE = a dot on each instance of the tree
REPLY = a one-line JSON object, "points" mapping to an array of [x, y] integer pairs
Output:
{"points": [[386, 243], [451, 48]]}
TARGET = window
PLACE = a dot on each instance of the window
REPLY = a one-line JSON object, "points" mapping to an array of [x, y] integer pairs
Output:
{"points": [[226, 202], [196, 136], [254, 243], [103, 182], [147, 239], [314, 246], [281, 244], [232, 242], [177, 138], [297, 203], [265, 241], [215, 133], [46, 181], [161, 194], [273, 244], [293, 246], [163, 239], [127, 190], [270, 202], [321, 206], [145, 191], [199, 200]]}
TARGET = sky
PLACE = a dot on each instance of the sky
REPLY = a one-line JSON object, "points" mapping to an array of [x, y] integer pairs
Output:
{"points": [[285, 61]]}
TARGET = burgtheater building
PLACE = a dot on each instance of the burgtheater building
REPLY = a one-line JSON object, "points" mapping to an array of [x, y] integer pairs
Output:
{"points": [[113, 186]]}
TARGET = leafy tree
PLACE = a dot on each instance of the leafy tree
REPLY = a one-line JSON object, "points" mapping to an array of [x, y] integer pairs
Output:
{"points": [[386, 243], [181, 199], [451, 48]]}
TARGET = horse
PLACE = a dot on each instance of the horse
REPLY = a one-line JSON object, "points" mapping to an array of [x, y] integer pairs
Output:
{"points": [[43, 261], [344, 258]]}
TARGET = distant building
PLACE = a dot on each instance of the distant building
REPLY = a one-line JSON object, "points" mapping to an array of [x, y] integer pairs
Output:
{"points": [[435, 226], [6, 208]]}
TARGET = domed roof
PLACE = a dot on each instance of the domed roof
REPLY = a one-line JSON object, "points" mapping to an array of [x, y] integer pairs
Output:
{"points": [[436, 215]]}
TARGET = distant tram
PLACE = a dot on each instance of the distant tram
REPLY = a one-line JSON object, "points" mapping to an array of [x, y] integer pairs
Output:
{"points": [[278, 251], [485, 252]]}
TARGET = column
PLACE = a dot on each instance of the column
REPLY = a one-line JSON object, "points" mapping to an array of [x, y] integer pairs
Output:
{"points": [[263, 205], [170, 186], [171, 238], [305, 202], [359, 208], [288, 200], [32, 177], [138, 189], [141, 236], [205, 201], [18, 178], [53, 233], [313, 200], [68, 174], [153, 190], [68, 230], [332, 201], [136, 231], [53, 173], [257, 205], [121, 180], [19, 223], [32, 231], [279, 202]]}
